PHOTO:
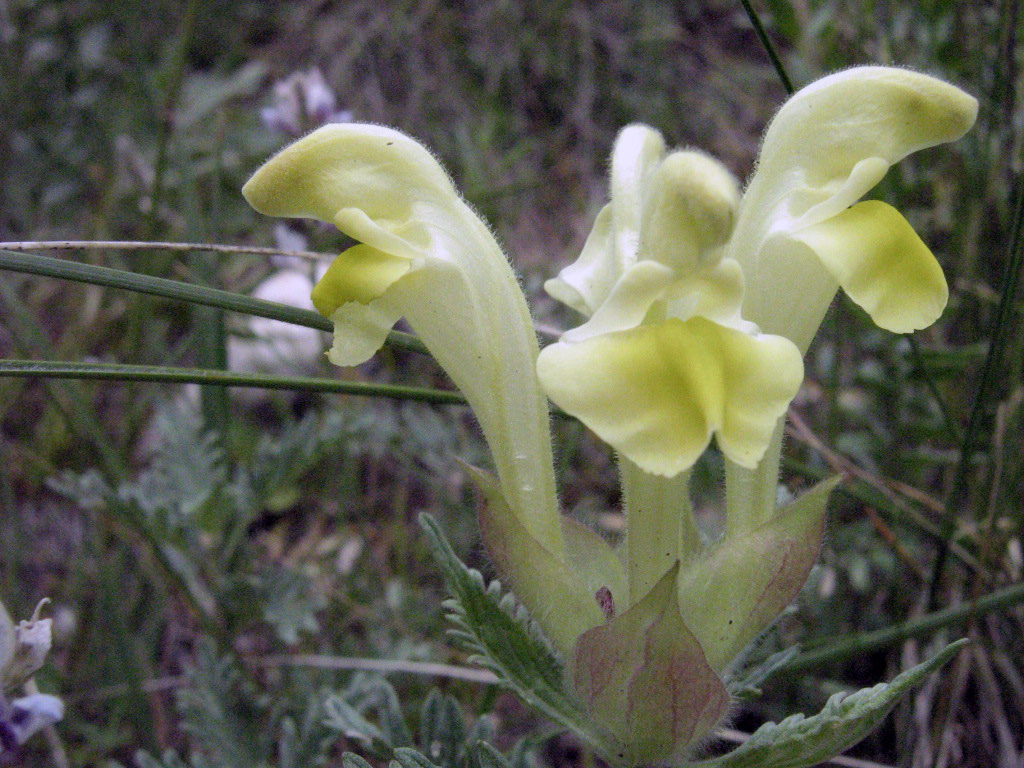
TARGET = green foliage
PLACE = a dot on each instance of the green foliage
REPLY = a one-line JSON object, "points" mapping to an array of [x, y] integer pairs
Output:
{"points": [[501, 637], [118, 120], [194, 512], [443, 740], [800, 741], [221, 714], [169, 759], [234, 726]]}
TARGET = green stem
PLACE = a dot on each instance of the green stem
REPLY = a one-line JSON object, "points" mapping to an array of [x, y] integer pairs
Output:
{"points": [[933, 387], [660, 527], [762, 35], [926, 625], [156, 245], [750, 494], [175, 76], [71, 402]]}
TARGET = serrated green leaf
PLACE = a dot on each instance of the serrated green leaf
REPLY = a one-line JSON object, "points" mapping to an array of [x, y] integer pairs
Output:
{"points": [[524, 752], [352, 760], [406, 757], [509, 643], [800, 741], [222, 714], [484, 729], [389, 711], [371, 691], [483, 755], [344, 718], [290, 602], [442, 728], [304, 741]]}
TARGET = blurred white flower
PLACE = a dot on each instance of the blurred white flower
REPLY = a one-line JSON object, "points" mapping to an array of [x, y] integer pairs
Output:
{"points": [[301, 102], [23, 717]]}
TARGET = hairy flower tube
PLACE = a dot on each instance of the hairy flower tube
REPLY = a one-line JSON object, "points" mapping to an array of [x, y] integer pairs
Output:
{"points": [[801, 234], [423, 254]]}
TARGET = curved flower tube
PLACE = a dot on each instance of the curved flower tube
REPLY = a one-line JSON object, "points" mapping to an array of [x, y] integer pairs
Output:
{"points": [[423, 254], [665, 360], [800, 232]]}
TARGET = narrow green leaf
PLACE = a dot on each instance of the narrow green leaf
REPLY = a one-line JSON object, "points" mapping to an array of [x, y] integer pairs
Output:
{"points": [[72, 402], [155, 373], [173, 289], [1007, 597], [992, 384], [766, 41], [499, 631], [800, 741], [747, 687], [344, 718], [389, 712]]}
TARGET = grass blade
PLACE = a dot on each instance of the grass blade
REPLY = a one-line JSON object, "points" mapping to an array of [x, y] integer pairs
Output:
{"points": [[71, 402], [217, 378], [989, 388], [762, 35], [1006, 597], [47, 266]]}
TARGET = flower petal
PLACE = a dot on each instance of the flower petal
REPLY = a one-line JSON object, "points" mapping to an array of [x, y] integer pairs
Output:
{"points": [[360, 330], [688, 212], [379, 170], [361, 273], [881, 263], [611, 247], [657, 393], [827, 146], [821, 135], [643, 676], [455, 288], [636, 155], [30, 714], [585, 284], [629, 301], [713, 293]]}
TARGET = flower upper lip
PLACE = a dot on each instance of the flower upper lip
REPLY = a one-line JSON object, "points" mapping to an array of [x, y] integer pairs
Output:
{"points": [[666, 359]]}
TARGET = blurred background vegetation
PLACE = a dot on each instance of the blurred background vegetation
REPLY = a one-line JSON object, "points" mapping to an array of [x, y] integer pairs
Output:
{"points": [[221, 560]]}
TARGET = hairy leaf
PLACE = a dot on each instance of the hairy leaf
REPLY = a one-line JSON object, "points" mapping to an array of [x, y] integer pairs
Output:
{"points": [[800, 741], [502, 638]]}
